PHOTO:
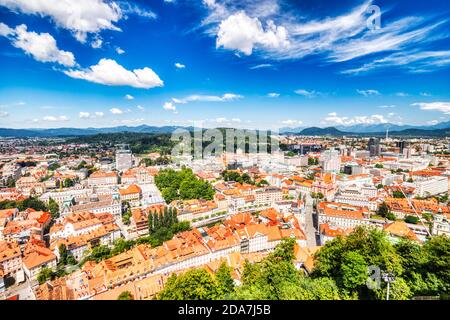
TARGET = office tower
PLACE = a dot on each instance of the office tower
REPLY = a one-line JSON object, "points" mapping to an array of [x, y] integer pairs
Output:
{"points": [[374, 147], [330, 161], [124, 159]]}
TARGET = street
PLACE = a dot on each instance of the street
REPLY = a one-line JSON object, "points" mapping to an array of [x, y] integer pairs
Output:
{"points": [[311, 236]]}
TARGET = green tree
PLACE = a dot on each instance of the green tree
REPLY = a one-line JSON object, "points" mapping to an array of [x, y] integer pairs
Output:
{"points": [[125, 295], [44, 275], [353, 271], [225, 283], [196, 284], [412, 219], [364, 246], [53, 208], [383, 209]]}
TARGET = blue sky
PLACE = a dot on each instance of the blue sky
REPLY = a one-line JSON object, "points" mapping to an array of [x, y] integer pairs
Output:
{"points": [[253, 64]]}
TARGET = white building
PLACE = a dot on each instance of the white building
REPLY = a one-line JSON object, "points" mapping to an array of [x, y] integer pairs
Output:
{"points": [[330, 161], [432, 186]]}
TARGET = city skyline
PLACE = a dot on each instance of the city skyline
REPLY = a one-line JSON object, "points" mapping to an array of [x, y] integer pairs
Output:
{"points": [[177, 62]]}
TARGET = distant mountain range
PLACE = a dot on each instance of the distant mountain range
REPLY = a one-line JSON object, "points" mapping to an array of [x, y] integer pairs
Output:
{"points": [[378, 129], [64, 132], [439, 130], [332, 131]]}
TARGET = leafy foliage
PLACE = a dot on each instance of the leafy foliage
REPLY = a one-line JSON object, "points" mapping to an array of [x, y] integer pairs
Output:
{"points": [[31, 202], [126, 295], [183, 185]]}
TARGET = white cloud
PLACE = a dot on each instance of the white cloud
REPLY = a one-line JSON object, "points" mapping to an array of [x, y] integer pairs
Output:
{"points": [[5, 30], [434, 106], [261, 66], [55, 118], [237, 25], [414, 62], [80, 16], [41, 46], [140, 107], [169, 106], [88, 115], [273, 95], [402, 94], [432, 122], [425, 94], [116, 111], [97, 42], [306, 93], [221, 120], [369, 92], [179, 65], [225, 120], [333, 118], [109, 72], [207, 98], [3, 114], [387, 106], [291, 122], [243, 33], [120, 51], [129, 97]]}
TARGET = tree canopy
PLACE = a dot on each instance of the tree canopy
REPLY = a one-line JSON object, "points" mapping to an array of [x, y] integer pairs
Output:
{"points": [[183, 184]]}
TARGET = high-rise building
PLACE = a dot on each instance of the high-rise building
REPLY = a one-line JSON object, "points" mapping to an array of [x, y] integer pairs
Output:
{"points": [[374, 147], [124, 158], [330, 161], [402, 145]]}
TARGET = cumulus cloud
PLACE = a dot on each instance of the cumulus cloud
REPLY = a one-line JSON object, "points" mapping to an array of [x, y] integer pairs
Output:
{"points": [[88, 115], [169, 106], [109, 72], [291, 122], [243, 33], [129, 97], [116, 111], [41, 46], [273, 95], [55, 118], [179, 65], [434, 106], [5, 30], [97, 43], [81, 17], [333, 118], [120, 51]]}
